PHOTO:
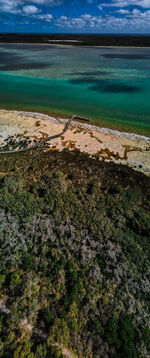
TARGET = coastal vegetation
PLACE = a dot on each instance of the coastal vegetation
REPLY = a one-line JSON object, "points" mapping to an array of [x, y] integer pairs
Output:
{"points": [[74, 252], [78, 39]]}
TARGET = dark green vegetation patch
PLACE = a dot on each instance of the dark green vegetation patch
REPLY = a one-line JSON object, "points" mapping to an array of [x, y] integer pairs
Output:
{"points": [[74, 256]]}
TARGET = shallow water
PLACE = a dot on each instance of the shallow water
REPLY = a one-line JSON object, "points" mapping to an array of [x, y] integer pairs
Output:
{"points": [[110, 85]]}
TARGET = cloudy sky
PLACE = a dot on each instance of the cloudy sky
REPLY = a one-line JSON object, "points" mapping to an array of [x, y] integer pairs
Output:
{"points": [[77, 16]]}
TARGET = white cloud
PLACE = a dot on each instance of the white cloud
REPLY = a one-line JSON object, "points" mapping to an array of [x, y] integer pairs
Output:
{"points": [[136, 20], [136, 12], [30, 9], [118, 3], [16, 6], [50, 3], [45, 17], [132, 21], [10, 6], [87, 17], [123, 11]]}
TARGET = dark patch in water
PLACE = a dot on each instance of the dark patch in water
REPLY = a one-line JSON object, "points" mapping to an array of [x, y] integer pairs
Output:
{"points": [[30, 47], [127, 56], [107, 86], [90, 73], [10, 62], [117, 88]]}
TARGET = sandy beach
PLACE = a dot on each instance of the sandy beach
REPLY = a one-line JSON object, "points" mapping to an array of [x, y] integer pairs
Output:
{"points": [[130, 149]]}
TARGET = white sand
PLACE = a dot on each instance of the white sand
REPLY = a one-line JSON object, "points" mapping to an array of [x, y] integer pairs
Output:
{"points": [[130, 149]]}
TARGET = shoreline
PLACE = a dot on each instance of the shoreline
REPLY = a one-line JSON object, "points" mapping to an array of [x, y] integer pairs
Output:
{"points": [[71, 44], [99, 143], [114, 125], [106, 130]]}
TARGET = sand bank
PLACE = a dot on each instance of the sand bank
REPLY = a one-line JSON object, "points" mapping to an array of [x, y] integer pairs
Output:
{"points": [[105, 144]]}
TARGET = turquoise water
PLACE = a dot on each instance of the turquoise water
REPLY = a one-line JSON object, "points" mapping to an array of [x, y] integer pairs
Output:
{"points": [[110, 85]]}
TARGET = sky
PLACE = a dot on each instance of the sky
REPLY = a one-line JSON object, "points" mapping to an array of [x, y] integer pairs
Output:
{"points": [[75, 16]]}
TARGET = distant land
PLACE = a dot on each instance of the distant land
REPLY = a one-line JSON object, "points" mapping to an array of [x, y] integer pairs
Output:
{"points": [[78, 39]]}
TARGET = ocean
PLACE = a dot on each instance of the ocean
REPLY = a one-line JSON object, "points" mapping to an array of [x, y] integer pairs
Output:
{"points": [[109, 85]]}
